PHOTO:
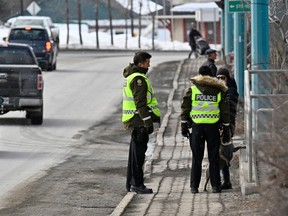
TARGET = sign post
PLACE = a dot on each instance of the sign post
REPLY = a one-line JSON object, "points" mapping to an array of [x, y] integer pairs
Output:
{"points": [[239, 8]]}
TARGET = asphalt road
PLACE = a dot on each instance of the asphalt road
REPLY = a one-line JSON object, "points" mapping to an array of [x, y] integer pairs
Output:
{"points": [[75, 163]]}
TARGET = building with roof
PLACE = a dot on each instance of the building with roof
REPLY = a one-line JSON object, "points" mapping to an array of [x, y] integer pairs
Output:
{"points": [[206, 15]]}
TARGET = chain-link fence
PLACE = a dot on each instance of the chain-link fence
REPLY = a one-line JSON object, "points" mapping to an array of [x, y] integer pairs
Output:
{"points": [[266, 132]]}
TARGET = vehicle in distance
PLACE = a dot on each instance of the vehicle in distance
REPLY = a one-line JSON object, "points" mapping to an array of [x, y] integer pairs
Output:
{"points": [[40, 39], [44, 21], [21, 82]]}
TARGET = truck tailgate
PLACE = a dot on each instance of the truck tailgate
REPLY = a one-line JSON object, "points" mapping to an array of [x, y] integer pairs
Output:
{"points": [[19, 81]]}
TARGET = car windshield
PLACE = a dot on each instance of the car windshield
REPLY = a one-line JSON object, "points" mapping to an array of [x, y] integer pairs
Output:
{"points": [[26, 22], [27, 34], [16, 55]]}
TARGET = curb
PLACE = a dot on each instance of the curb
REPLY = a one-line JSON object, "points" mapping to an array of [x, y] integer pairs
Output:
{"points": [[123, 204]]}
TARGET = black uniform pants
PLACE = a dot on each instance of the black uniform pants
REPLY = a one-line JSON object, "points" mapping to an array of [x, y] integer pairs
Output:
{"points": [[200, 134], [136, 159]]}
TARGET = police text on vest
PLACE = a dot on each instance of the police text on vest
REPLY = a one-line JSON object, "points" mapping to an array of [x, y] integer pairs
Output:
{"points": [[202, 97]]}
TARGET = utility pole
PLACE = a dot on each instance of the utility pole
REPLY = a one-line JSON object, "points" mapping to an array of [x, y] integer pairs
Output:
{"points": [[228, 48], [239, 50], [260, 55], [260, 34], [223, 33]]}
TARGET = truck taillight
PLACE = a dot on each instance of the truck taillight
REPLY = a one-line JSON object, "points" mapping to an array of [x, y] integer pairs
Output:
{"points": [[48, 46], [39, 82]]}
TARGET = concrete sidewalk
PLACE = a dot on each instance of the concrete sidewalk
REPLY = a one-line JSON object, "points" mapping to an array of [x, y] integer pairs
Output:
{"points": [[168, 173]]}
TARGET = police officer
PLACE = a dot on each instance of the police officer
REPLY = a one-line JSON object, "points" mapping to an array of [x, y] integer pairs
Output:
{"points": [[210, 62], [140, 110], [205, 106]]}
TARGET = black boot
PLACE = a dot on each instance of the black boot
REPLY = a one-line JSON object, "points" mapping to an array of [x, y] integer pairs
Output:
{"points": [[141, 189], [226, 184]]}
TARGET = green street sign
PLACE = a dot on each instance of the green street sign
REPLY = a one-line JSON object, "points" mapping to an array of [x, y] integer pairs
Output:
{"points": [[239, 6]]}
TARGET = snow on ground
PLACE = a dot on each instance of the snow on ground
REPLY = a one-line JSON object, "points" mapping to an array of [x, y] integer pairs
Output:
{"points": [[89, 40], [119, 41]]}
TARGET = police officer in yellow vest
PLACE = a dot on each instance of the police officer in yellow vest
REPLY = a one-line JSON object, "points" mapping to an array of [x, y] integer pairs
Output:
{"points": [[140, 110], [204, 107]]}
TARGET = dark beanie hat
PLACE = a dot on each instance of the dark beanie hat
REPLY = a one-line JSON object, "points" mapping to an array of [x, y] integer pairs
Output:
{"points": [[223, 71], [205, 71], [209, 51]]}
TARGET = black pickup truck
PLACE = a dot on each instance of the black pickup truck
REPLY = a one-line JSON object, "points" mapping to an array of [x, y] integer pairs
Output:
{"points": [[21, 82]]}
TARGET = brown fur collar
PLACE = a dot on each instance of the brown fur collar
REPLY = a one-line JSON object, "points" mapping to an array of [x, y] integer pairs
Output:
{"points": [[210, 81]]}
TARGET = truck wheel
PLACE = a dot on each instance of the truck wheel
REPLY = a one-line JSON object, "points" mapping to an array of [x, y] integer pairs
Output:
{"points": [[50, 67], [55, 66], [36, 117], [36, 120]]}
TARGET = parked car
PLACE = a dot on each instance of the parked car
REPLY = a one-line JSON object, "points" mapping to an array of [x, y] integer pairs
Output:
{"points": [[21, 82], [40, 39], [44, 21]]}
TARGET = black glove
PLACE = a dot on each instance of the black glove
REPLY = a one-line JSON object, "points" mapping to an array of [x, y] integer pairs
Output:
{"points": [[158, 120], [189, 122], [184, 130], [232, 129], [150, 129], [226, 134]]}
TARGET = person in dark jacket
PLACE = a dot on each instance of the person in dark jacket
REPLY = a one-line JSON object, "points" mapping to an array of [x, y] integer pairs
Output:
{"points": [[210, 62], [140, 110], [232, 96], [192, 42], [204, 106]]}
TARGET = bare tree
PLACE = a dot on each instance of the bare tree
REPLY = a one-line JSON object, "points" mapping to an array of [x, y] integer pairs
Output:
{"points": [[132, 18], [140, 19], [153, 26], [22, 8], [278, 18], [96, 22], [67, 20], [126, 24], [79, 21], [110, 21]]}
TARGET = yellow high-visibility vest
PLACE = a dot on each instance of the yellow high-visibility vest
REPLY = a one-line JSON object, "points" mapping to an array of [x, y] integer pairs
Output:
{"points": [[128, 105], [205, 108]]}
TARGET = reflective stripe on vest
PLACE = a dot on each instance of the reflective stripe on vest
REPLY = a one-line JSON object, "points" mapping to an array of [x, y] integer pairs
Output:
{"points": [[129, 107], [205, 108]]}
